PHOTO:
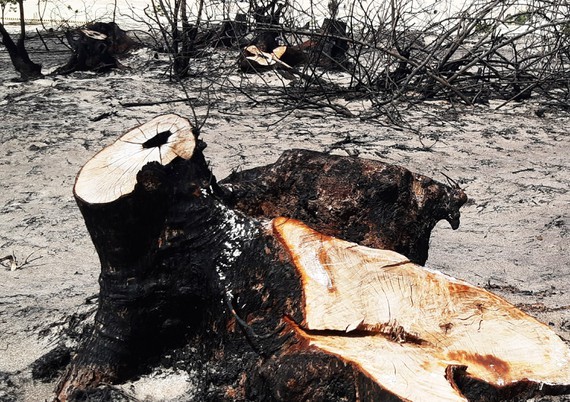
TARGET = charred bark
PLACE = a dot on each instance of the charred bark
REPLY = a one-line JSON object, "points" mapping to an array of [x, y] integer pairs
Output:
{"points": [[333, 45], [19, 56], [274, 310], [96, 47], [364, 201], [263, 56], [119, 41], [232, 33], [166, 249]]}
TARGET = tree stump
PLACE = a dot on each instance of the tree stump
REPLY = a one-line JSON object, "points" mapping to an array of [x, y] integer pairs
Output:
{"points": [[120, 41], [328, 48], [95, 48], [273, 309], [334, 44], [231, 33]]}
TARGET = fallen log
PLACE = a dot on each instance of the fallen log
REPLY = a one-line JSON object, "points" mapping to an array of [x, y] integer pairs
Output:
{"points": [[281, 310]]}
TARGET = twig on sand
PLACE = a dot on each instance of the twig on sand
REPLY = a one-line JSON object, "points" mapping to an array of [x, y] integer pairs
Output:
{"points": [[153, 103], [10, 261]]}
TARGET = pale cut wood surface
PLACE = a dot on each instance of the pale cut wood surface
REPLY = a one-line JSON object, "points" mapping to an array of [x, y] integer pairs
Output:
{"points": [[112, 173], [404, 325]]}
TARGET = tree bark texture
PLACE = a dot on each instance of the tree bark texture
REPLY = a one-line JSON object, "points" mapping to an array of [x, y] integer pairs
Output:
{"points": [[272, 310], [19, 56], [364, 201], [95, 48]]}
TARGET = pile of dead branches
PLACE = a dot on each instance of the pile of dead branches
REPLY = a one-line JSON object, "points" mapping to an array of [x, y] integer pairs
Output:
{"points": [[490, 50], [398, 52]]}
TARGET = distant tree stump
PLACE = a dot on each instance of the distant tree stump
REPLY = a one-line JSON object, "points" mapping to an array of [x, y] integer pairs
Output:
{"points": [[96, 47], [274, 309], [333, 45], [231, 33]]}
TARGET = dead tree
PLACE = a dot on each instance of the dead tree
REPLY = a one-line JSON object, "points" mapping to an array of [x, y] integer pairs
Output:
{"points": [[19, 56], [284, 312]]}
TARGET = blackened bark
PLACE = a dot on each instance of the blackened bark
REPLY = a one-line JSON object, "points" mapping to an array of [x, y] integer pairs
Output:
{"points": [[228, 294], [96, 48], [364, 201], [167, 251], [187, 39], [334, 44], [120, 41], [19, 56], [231, 33]]}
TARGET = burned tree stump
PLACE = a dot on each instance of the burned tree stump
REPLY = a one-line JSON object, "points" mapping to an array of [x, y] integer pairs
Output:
{"points": [[120, 41], [96, 47], [364, 201], [283, 311], [333, 45], [253, 59], [231, 33]]}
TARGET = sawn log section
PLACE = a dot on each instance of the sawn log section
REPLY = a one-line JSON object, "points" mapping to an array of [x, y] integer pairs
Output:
{"points": [[266, 309]]}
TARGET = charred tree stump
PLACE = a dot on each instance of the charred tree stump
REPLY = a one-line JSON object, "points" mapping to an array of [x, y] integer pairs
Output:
{"points": [[329, 48], [335, 44], [286, 313], [264, 52], [120, 41], [95, 48], [363, 201], [253, 59]]}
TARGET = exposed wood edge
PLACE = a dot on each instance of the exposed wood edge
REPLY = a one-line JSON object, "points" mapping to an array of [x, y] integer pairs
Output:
{"points": [[112, 173], [388, 321]]}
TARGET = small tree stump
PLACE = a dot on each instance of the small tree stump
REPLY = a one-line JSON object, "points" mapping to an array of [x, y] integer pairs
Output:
{"points": [[273, 309], [95, 48]]}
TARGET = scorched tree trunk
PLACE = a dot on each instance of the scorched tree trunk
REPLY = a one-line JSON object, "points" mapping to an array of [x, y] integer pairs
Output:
{"points": [[273, 310], [19, 56]]}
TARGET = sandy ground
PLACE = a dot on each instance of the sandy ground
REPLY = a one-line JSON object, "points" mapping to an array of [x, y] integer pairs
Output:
{"points": [[514, 237]]}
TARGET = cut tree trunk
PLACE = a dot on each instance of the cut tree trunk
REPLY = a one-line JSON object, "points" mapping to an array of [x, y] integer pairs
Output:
{"points": [[263, 309], [231, 33]]}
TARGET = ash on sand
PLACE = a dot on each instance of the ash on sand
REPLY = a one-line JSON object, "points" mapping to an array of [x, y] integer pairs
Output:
{"points": [[514, 236]]}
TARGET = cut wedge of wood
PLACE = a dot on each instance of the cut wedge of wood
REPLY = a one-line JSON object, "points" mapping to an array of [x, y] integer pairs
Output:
{"points": [[408, 327], [253, 53], [112, 173]]}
